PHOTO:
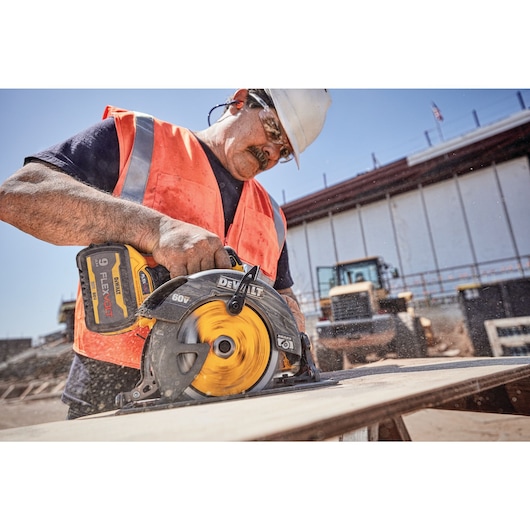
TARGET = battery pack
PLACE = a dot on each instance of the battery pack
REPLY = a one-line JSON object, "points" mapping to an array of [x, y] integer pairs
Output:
{"points": [[115, 280]]}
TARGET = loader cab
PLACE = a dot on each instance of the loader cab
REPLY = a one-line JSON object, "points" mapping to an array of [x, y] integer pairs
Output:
{"points": [[371, 269]]}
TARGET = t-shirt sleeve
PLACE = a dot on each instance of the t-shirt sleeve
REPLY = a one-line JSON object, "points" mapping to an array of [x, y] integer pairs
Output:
{"points": [[92, 156]]}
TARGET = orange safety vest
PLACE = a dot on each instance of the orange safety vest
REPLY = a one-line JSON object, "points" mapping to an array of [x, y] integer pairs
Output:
{"points": [[164, 167]]}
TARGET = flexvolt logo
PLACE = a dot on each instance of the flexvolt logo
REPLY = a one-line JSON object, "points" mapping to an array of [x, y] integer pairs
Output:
{"points": [[230, 283], [104, 286]]}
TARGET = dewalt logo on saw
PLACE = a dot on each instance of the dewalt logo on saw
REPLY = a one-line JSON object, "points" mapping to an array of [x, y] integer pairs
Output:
{"points": [[115, 280], [232, 285]]}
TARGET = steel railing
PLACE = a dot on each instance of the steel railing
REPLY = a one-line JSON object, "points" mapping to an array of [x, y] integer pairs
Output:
{"points": [[441, 285]]}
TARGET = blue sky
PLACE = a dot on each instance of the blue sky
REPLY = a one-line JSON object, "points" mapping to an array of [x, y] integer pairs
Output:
{"points": [[378, 44], [388, 123]]}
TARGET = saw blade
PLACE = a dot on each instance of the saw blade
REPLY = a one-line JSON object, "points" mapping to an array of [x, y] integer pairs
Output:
{"points": [[241, 356]]}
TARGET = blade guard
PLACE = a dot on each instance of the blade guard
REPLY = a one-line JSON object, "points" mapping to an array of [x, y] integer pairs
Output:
{"points": [[174, 301]]}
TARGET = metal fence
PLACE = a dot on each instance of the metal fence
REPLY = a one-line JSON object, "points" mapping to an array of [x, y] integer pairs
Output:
{"points": [[430, 286]]}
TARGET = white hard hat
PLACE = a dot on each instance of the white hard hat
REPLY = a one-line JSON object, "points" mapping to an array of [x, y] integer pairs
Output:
{"points": [[302, 113]]}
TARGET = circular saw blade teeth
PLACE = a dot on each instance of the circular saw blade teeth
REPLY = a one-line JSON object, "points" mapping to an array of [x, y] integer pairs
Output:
{"points": [[240, 349]]}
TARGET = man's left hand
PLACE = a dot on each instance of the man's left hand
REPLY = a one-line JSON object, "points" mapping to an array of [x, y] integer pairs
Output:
{"points": [[290, 299]]}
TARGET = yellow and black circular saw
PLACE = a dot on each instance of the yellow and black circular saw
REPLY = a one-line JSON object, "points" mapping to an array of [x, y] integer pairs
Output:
{"points": [[222, 332]]}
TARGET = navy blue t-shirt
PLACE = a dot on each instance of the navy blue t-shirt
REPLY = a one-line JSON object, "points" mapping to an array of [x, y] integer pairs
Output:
{"points": [[93, 157]]}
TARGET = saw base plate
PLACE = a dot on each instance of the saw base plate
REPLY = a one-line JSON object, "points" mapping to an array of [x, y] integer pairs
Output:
{"points": [[162, 404]]}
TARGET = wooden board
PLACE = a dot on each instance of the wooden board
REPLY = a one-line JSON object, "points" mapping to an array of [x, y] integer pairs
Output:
{"points": [[377, 394]]}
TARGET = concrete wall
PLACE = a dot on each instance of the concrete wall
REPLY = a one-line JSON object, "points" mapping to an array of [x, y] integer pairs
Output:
{"points": [[467, 221]]}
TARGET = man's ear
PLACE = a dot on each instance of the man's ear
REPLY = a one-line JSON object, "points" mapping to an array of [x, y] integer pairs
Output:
{"points": [[240, 97]]}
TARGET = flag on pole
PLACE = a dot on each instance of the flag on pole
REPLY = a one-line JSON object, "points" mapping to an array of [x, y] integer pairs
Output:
{"points": [[436, 112]]}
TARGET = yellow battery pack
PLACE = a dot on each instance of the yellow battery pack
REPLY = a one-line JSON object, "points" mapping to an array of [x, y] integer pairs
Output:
{"points": [[115, 280]]}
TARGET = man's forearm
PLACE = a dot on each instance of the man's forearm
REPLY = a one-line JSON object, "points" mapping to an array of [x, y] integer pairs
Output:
{"points": [[46, 203], [56, 208]]}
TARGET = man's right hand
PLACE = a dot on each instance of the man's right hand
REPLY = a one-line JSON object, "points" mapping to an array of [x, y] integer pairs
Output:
{"points": [[185, 249]]}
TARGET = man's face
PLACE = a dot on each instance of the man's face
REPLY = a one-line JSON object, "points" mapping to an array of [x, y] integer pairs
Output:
{"points": [[254, 143]]}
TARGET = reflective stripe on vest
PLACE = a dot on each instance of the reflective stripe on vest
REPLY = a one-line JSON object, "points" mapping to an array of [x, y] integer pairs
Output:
{"points": [[140, 164], [278, 221]]}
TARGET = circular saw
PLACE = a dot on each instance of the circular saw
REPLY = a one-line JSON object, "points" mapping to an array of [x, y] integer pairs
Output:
{"points": [[218, 333]]}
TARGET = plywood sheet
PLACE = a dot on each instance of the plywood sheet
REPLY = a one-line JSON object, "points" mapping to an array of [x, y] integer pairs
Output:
{"points": [[362, 396]]}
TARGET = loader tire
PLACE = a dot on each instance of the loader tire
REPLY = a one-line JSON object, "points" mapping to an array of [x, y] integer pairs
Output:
{"points": [[329, 360], [410, 342], [358, 355], [421, 338]]}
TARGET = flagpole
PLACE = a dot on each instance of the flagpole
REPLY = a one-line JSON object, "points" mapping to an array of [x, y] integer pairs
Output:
{"points": [[439, 129], [437, 115]]}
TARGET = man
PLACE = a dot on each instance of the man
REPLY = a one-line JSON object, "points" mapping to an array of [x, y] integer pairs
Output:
{"points": [[172, 194]]}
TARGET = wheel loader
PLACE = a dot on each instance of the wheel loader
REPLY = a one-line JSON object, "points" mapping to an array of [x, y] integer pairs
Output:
{"points": [[361, 321]]}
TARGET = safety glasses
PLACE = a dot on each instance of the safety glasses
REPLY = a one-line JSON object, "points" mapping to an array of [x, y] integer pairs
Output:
{"points": [[272, 129]]}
